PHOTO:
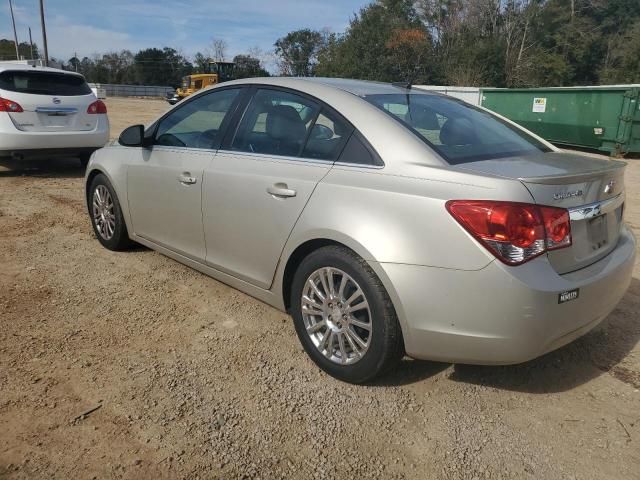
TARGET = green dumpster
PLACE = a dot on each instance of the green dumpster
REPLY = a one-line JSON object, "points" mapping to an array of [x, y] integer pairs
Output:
{"points": [[605, 118]]}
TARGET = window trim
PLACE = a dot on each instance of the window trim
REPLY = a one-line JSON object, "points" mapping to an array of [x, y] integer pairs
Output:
{"points": [[324, 107], [151, 132]]}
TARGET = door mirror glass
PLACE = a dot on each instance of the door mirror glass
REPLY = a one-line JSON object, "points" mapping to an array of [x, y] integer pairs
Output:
{"points": [[132, 136]]}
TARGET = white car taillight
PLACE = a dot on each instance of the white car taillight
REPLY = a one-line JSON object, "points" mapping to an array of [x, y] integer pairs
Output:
{"points": [[10, 106], [97, 107]]}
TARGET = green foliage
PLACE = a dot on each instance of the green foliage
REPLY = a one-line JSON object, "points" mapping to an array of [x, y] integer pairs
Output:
{"points": [[8, 50], [153, 66], [502, 43], [298, 52], [248, 66], [381, 44]]}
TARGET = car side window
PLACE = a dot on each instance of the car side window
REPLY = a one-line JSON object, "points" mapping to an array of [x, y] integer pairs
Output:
{"points": [[275, 123], [196, 124], [327, 137], [357, 152]]}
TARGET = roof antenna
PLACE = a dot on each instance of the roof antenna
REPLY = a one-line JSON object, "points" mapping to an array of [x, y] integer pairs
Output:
{"points": [[408, 83]]}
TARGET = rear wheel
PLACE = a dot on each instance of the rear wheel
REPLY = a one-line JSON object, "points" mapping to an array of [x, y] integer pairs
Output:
{"points": [[343, 315], [106, 215]]}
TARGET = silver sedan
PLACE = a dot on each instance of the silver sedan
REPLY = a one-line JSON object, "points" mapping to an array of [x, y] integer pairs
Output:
{"points": [[386, 220]]}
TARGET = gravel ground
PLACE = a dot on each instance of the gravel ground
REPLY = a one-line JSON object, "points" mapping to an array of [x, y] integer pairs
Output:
{"points": [[196, 380]]}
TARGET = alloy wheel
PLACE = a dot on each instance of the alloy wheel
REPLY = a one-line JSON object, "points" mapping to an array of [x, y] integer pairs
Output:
{"points": [[103, 214], [336, 315]]}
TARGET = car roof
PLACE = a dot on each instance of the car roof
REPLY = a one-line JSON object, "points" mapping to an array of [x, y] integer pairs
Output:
{"points": [[360, 88], [5, 66]]}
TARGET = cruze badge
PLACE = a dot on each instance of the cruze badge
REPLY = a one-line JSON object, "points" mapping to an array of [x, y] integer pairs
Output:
{"points": [[56, 100], [608, 188], [564, 195]]}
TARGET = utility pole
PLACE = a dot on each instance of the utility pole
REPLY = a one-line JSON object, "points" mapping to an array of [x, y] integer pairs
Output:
{"points": [[44, 34], [15, 35], [31, 43]]}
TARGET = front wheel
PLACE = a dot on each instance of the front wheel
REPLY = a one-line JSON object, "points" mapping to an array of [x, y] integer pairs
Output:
{"points": [[344, 317], [106, 215]]}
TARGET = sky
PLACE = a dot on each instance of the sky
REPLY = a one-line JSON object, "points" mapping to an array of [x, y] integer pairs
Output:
{"points": [[86, 27]]}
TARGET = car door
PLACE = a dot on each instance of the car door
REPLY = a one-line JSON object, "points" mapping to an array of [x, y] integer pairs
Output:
{"points": [[164, 182], [260, 180]]}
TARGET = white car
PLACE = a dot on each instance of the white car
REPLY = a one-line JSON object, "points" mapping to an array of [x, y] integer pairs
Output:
{"points": [[48, 112]]}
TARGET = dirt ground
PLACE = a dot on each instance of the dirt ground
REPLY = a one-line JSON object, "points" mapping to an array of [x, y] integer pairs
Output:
{"points": [[196, 380]]}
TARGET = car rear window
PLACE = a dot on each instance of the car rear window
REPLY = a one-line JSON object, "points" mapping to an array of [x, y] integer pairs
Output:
{"points": [[459, 132], [43, 83]]}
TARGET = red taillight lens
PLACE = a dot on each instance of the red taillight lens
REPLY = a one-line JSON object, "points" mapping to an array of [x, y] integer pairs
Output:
{"points": [[513, 232], [557, 224], [97, 107], [10, 106]]}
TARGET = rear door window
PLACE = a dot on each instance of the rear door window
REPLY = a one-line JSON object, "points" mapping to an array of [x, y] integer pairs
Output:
{"points": [[276, 123], [43, 83], [327, 137]]}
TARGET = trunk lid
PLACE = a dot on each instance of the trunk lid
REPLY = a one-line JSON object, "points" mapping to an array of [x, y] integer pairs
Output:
{"points": [[52, 101], [591, 189]]}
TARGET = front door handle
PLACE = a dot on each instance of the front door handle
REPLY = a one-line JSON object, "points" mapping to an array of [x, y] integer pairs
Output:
{"points": [[281, 190], [187, 179]]}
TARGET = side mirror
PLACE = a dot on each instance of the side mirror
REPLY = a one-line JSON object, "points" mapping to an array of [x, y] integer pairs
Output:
{"points": [[132, 136]]}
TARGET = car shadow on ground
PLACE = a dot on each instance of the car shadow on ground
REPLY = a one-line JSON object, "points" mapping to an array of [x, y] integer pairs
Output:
{"points": [[67, 167], [409, 371], [601, 350]]}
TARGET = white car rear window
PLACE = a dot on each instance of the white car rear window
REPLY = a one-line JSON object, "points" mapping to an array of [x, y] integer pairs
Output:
{"points": [[43, 83]]}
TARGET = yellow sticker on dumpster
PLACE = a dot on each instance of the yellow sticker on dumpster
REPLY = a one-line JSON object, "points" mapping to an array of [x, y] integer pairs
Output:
{"points": [[539, 105]]}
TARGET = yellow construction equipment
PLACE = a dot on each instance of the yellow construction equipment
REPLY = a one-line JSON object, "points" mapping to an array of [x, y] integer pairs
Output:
{"points": [[218, 72]]}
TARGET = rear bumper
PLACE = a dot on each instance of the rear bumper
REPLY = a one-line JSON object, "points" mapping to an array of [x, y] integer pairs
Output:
{"points": [[16, 141], [501, 314]]}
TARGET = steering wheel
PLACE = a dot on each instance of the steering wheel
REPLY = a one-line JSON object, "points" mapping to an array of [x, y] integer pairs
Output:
{"points": [[170, 140]]}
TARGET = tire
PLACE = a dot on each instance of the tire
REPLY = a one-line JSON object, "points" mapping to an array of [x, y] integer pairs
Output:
{"points": [[115, 236], [384, 345]]}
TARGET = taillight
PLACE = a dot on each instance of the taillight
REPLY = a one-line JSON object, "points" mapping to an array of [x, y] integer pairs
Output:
{"points": [[514, 232], [10, 106], [97, 107]]}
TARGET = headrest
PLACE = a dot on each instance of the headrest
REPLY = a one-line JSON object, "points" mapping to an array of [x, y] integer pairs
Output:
{"points": [[423, 118], [458, 131], [284, 123]]}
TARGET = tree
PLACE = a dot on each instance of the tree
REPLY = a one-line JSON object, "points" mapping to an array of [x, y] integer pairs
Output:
{"points": [[201, 63], [248, 66], [622, 62], [160, 67], [8, 50], [298, 51], [407, 49], [218, 49]]}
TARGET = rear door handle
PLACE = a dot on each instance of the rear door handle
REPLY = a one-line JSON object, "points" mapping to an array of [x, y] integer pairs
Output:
{"points": [[281, 190], [187, 179]]}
